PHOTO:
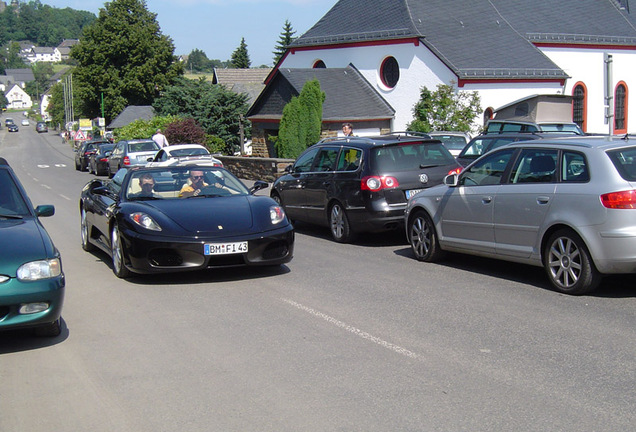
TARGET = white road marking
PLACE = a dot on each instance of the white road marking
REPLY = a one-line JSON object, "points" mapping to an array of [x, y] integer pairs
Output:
{"points": [[357, 332], [45, 186], [65, 197], [43, 166]]}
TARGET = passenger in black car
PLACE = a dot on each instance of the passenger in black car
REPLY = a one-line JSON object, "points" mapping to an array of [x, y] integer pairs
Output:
{"points": [[147, 185]]}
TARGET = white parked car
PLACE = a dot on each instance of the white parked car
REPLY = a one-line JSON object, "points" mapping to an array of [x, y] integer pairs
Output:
{"points": [[184, 154], [25, 122]]}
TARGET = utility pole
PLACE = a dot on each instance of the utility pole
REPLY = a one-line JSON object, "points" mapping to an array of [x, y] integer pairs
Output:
{"points": [[609, 93]]}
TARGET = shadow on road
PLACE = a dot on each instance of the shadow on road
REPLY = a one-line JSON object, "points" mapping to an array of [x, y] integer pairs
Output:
{"points": [[612, 286], [24, 340]]}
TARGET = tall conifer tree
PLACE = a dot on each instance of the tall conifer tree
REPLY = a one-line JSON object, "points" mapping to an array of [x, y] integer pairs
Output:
{"points": [[286, 37], [240, 57]]}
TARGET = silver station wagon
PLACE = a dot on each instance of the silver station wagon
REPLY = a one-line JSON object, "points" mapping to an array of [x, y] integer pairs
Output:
{"points": [[565, 204]]}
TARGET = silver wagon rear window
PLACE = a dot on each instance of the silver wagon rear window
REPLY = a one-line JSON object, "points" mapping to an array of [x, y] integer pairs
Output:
{"points": [[625, 162]]}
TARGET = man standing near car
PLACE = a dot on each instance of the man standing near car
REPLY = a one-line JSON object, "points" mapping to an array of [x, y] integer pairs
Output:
{"points": [[160, 139]]}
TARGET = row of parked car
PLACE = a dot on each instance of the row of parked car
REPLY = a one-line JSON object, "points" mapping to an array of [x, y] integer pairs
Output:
{"points": [[561, 201], [102, 157]]}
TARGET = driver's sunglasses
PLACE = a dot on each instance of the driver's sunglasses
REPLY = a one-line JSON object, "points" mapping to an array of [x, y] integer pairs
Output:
{"points": [[197, 177]]}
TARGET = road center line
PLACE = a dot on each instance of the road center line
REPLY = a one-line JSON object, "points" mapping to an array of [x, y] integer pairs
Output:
{"points": [[355, 331]]}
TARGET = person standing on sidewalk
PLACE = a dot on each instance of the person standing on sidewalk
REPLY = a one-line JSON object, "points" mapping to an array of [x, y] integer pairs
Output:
{"points": [[160, 139]]}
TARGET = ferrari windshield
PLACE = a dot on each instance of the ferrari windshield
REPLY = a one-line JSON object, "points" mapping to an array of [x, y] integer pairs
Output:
{"points": [[183, 182]]}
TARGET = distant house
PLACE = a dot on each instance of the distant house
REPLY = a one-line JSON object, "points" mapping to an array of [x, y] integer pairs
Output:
{"points": [[249, 81], [21, 76], [5, 82], [130, 114], [348, 97], [43, 54], [18, 98], [64, 49], [44, 106]]}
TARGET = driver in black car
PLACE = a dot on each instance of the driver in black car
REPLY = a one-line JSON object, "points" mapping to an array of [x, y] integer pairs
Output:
{"points": [[197, 182]]}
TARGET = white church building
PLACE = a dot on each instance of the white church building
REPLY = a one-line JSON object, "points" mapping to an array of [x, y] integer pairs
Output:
{"points": [[504, 49]]}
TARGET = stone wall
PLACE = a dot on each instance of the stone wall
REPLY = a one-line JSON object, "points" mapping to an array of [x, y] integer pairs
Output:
{"points": [[255, 168]]}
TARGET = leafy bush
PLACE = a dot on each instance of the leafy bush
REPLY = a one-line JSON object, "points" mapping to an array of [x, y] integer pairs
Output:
{"points": [[445, 109], [140, 129], [185, 131], [215, 144]]}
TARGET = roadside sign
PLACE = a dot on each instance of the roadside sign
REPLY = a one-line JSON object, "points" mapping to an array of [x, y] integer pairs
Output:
{"points": [[80, 136], [85, 124]]}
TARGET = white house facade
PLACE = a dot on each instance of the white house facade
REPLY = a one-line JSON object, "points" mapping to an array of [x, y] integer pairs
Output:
{"points": [[586, 67], [18, 98], [418, 67], [43, 54]]}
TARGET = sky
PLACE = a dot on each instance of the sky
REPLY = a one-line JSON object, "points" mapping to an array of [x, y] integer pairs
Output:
{"points": [[217, 26]]}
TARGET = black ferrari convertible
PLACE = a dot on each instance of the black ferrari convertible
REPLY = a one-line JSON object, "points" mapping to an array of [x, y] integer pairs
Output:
{"points": [[157, 220]]}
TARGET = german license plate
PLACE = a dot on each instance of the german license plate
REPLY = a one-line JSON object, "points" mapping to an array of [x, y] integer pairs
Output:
{"points": [[410, 193], [225, 248]]}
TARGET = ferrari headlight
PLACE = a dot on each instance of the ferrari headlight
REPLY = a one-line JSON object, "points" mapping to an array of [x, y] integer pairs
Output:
{"points": [[36, 270], [276, 214], [145, 221]]}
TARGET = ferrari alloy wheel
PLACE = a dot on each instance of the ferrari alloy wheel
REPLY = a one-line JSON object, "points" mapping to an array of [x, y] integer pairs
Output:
{"points": [[423, 238], [86, 244], [117, 252], [339, 224], [568, 264]]}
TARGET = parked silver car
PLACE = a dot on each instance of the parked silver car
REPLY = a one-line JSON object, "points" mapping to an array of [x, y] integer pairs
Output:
{"points": [[131, 153], [566, 204]]}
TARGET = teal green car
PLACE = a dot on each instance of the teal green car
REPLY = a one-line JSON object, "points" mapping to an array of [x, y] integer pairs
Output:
{"points": [[31, 277]]}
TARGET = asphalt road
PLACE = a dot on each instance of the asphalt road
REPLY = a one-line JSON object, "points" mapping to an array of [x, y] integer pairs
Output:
{"points": [[357, 337]]}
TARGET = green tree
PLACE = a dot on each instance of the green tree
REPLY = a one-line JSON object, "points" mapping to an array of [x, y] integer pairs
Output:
{"points": [[240, 57], [42, 71], [445, 109], [56, 104], [286, 37], [41, 24], [10, 59], [215, 108], [3, 101], [124, 56], [198, 62], [301, 123]]}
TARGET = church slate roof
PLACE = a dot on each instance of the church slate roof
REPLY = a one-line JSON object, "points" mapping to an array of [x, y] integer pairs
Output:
{"points": [[480, 39], [348, 96]]}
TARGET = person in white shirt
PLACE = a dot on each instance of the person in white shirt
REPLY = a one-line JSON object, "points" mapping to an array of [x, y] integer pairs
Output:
{"points": [[160, 139]]}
